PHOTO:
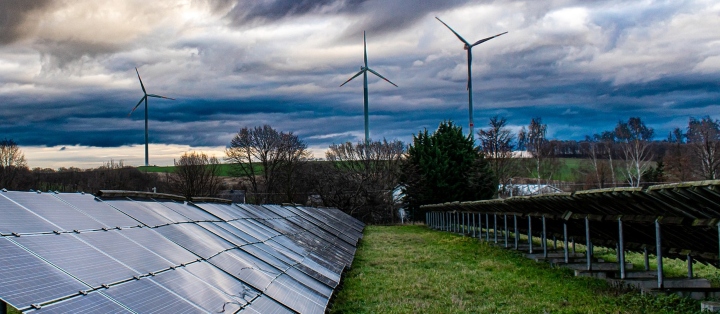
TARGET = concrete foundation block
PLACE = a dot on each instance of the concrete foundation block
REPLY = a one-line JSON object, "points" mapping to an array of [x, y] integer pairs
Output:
{"points": [[711, 306], [600, 266]]}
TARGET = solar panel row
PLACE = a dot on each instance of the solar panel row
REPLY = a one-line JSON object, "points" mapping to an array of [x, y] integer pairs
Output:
{"points": [[78, 253], [688, 213]]}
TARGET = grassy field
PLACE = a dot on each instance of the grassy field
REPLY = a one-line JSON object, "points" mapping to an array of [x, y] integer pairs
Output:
{"points": [[412, 269], [225, 169]]}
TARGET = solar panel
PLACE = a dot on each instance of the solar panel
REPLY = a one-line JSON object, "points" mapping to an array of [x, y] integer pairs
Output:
{"points": [[155, 242], [227, 235], [139, 212], [245, 267], [16, 219], [55, 210], [77, 258], [162, 210], [26, 279], [188, 259], [146, 296], [199, 292], [126, 251], [266, 305], [92, 303], [190, 211], [96, 209], [222, 280], [216, 211], [294, 295], [195, 239]]}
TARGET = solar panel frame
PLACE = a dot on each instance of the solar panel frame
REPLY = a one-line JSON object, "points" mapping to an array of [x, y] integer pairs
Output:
{"points": [[17, 219], [92, 303]]}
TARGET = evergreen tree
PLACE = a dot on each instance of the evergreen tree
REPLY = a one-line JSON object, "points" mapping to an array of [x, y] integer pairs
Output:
{"points": [[445, 167]]}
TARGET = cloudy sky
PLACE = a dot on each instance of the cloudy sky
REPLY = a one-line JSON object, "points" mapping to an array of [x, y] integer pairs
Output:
{"points": [[67, 77]]}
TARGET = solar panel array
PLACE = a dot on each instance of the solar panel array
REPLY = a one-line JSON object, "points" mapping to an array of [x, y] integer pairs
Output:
{"points": [[688, 214], [124, 252]]}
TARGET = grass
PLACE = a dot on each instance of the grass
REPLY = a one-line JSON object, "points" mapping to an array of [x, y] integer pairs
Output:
{"points": [[412, 269]]}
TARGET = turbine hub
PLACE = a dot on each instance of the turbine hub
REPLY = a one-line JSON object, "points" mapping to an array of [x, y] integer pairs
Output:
{"points": [[466, 47]]}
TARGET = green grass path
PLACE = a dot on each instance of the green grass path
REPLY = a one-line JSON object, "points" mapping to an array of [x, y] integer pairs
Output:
{"points": [[412, 269]]}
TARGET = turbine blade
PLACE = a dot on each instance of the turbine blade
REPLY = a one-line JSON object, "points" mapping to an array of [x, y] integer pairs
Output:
{"points": [[486, 39], [378, 74], [158, 96], [454, 32], [365, 48], [141, 84], [354, 76], [138, 105]]}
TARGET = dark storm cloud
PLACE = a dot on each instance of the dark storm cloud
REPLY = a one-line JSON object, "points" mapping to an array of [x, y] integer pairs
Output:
{"points": [[376, 16], [13, 16]]}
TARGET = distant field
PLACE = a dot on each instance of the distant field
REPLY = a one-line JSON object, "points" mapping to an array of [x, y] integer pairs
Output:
{"points": [[412, 269], [225, 169], [567, 172]]}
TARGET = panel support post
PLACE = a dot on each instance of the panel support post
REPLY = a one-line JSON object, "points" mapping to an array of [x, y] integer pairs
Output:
{"points": [[690, 266], [474, 227], [506, 229], [544, 238], [658, 250], [462, 223], [495, 227], [621, 249], [530, 234], [565, 239], [588, 245], [480, 227], [3, 307], [573, 244], [647, 258], [487, 228], [718, 226], [517, 232]]}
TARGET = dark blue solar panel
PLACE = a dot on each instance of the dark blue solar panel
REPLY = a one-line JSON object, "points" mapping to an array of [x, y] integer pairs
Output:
{"points": [[55, 210], [145, 296], [126, 251], [138, 212], [195, 239], [26, 279], [199, 292], [95, 208], [93, 303], [234, 230], [222, 280], [251, 229], [266, 257], [266, 305], [160, 245], [18, 219], [77, 258]]}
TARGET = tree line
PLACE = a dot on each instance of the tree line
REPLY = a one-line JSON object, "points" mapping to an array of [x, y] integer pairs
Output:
{"points": [[364, 179]]}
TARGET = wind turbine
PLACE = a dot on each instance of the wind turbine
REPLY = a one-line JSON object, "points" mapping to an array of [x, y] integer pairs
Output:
{"points": [[363, 71], [468, 47], [145, 98]]}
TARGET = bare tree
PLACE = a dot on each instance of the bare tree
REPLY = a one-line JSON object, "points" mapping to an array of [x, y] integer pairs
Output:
{"points": [[704, 138], [268, 159], [196, 174], [677, 159], [496, 144], [535, 141], [634, 137], [608, 139], [362, 179], [12, 162]]}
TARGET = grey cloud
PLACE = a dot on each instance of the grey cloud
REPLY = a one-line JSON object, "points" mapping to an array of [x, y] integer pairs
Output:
{"points": [[14, 15]]}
